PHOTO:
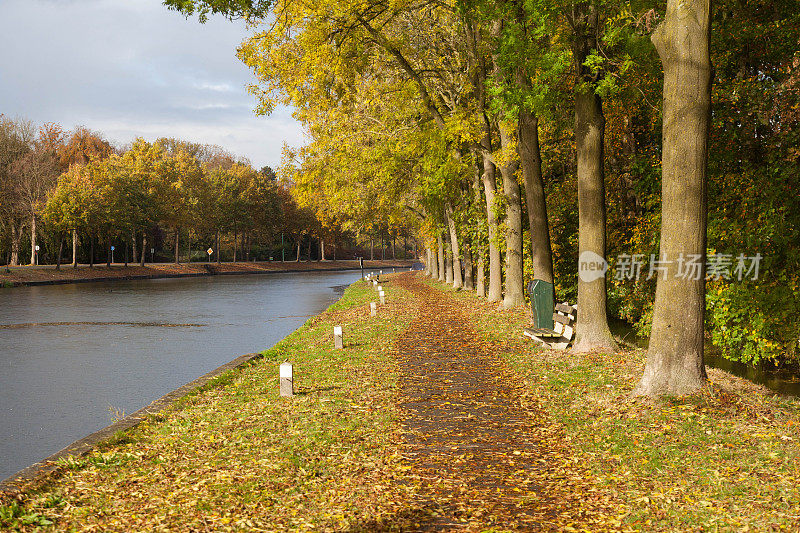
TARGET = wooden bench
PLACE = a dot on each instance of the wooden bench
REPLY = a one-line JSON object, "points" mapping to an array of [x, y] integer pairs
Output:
{"points": [[563, 332]]}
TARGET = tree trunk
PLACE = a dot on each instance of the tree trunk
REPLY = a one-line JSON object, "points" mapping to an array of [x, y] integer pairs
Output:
{"points": [[448, 259], [480, 278], [495, 293], [393, 248], [440, 257], [108, 252], [434, 263], [144, 249], [60, 250], [428, 259], [675, 355], [74, 248], [91, 251], [469, 283], [515, 292], [126, 251], [457, 280], [219, 252], [16, 236], [592, 332], [133, 246], [33, 240], [309, 249], [322, 250], [177, 244], [234, 246], [298, 251], [531, 161], [371, 249]]}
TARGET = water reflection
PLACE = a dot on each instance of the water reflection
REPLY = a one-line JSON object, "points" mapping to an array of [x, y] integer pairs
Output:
{"points": [[73, 355]]}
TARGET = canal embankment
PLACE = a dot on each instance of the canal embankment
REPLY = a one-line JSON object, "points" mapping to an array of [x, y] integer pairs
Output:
{"points": [[436, 414], [49, 275]]}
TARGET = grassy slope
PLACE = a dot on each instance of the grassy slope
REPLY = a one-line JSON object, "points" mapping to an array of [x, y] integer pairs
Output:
{"points": [[237, 456], [727, 459]]}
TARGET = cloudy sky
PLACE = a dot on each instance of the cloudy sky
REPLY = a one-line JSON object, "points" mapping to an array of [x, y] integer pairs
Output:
{"points": [[131, 68]]}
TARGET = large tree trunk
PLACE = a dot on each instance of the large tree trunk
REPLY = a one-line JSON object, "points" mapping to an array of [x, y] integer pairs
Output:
{"points": [[219, 252], [440, 257], [371, 249], [108, 252], [515, 292], [495, 293], [322, 250], [531, 161], [457, 280], [675, 354], [16, 237], [91, 251], [33, 240], [144, 249], [592, 331], [297, 259], [74, 248]]}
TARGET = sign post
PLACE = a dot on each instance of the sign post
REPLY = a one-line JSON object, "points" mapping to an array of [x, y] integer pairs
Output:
{"points": [[112, 254], [209, 252], [287, 379]]}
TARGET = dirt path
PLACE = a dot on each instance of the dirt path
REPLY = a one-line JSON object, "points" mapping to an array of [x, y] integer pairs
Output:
{"points": [[485, 457]]}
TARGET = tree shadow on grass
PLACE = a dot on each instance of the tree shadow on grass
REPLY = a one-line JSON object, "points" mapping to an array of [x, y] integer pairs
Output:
{"points": [[407, 520]]}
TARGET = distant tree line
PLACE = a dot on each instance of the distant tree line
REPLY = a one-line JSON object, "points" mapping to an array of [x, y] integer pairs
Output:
{"points": [[75, 196]]}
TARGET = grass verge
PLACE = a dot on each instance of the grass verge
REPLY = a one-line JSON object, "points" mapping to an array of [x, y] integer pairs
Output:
{"points": [[724, 459], [233, 455]]}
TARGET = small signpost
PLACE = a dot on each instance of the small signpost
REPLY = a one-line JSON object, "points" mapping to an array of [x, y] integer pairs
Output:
{"points": [[36, 254], [112, 253], [209, 252], [287, 379], [373, 309], [338, 342]]}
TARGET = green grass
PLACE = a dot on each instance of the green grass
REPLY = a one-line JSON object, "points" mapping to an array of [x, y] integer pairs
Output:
{"points": [[234, 455], [725, 459]]}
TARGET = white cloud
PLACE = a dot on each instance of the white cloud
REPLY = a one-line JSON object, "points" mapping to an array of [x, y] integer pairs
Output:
{"points": [[133, 68]]}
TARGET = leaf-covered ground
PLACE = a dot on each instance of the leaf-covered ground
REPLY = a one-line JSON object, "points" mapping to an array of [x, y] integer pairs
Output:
{"points": [[725, 459], [437, 415]]}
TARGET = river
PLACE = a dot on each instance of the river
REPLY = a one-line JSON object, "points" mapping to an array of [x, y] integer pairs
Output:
{"points": [[75, 357]]}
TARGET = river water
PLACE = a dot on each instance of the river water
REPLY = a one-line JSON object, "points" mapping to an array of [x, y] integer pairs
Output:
{"points": [[74, 357]]}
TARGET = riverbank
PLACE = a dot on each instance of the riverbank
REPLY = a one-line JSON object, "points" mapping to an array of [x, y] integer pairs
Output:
{"points": [[48, 275], [437, 414]]}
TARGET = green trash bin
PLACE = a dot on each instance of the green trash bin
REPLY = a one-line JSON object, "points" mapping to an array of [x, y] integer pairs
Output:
{"points": [[542, 303]]}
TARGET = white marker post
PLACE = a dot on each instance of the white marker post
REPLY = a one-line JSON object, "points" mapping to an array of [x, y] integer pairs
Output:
{"points": [[287, 380], [373, 309], [380, 288], [338, 343], [383, 297]]}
